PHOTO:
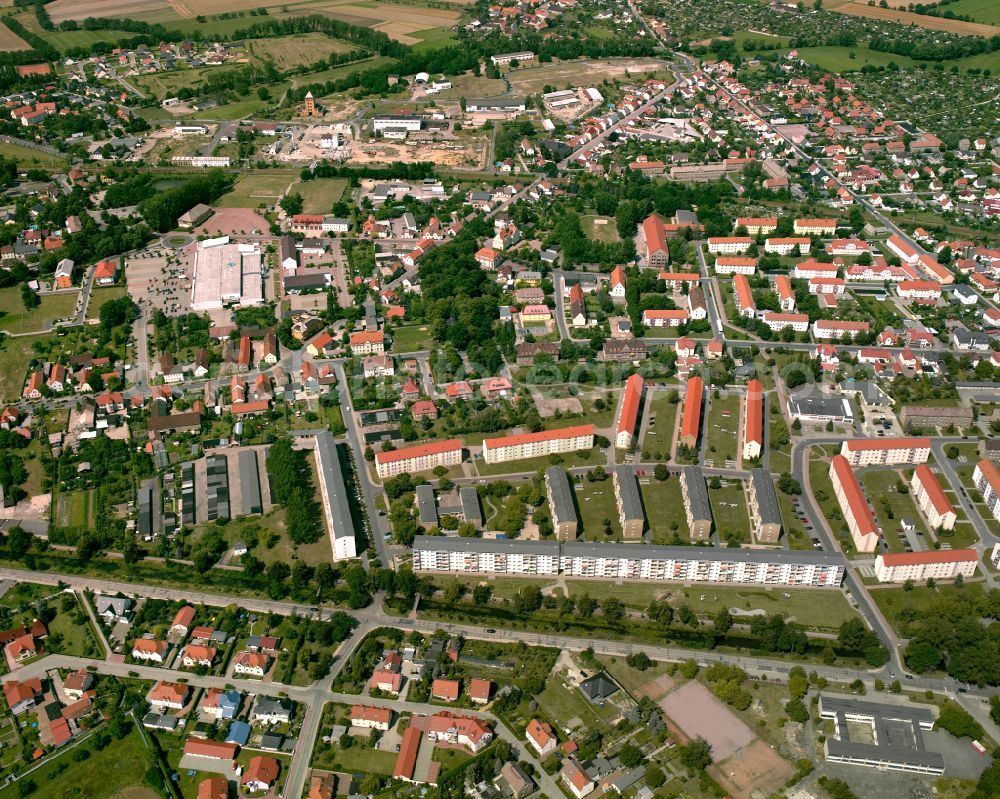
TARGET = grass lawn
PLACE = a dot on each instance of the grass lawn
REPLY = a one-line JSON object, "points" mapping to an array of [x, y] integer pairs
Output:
{"points": [[411, 338], [337, 73], [503, 587], [880, 488], [838, 59], [318, 196], [822, 489], [77, 638], [600, 228], [99, 296], [584, 457], [74, 509], [658, 440], [722, 427], [596, 503], [110, 772], [258, 188], [729, 511], [801, 604], [15, 318], [28, 157], [628, 678], [286, 52], [16, 354], [922, 600], [664, 506], [565, 704], [364, 760]]}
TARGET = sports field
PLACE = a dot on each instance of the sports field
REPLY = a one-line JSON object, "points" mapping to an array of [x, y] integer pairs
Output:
{"points": [[256, 188], [318, 196]]}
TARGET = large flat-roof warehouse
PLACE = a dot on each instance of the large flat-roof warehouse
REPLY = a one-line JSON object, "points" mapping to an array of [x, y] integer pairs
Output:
{"points": [[226, 274]]}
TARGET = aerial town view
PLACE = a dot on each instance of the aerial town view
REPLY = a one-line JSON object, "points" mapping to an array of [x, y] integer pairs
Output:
{"points": [[562, 399]]}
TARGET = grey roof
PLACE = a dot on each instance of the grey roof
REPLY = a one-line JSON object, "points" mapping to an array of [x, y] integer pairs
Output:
{"points": [[427, 505], [495, 102], [623, 782], [599, 687], [309, 280], [330, 472], [469, 498], [118, 605], [898, 741], [512, 546], [684, 216], [872, 394], [697, 493], [250, 482], [817, 404], [582, 549], [628, 491], [767, 499], [563, 508], [269, 705]]}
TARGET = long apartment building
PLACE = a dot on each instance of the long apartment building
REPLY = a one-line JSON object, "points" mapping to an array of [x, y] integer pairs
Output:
{"points": [[697, 507], [745, 305], [336, 505], [753, 420], [629, 502], [861, 452], [655, 239], [931, 499], [420, 458], [853, 504], [691, 421], [987, 480], [943, 564], [762, 502], [450, 554], [560, 494], [628, 412], [535, 445]]}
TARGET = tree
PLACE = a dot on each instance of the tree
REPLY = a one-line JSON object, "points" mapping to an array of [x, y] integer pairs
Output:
{"points": [[655, 777], [612, 609], [696, 755], [723, 621], [796, 710], [630, 755], [528, 600], [660, 472], [689, 669], [292, 203], [639, 661], [955, 719]]}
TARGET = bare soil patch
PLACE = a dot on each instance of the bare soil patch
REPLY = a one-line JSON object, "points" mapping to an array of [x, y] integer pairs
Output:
{"points": [[698, 714], [755, 770], [862, 9]]}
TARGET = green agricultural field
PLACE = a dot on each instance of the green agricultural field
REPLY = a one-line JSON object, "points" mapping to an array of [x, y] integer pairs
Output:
{"points": [[255, 189], [411, 338], [664, 505], [15, 318], [985, 11], [287, 52], [29, 157], [318, 196], [434, 39], [115, 771]]}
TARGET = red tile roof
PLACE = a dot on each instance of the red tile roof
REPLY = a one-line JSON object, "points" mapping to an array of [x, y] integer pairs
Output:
{"points": [[692, 407], [630, 404], [929, 556], [433, 448], [862, 444], [753, 423], [544, 435], [855, 496]]}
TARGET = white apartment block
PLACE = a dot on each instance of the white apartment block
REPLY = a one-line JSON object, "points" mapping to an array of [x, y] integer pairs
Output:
{"points": [[420, 458], [987, 480], [931, 499], [536, 445], [729, 245], [944, 564], [735, 266], [787, 246], [862, 452], [628, 561], [837, 329], [799, 322]]}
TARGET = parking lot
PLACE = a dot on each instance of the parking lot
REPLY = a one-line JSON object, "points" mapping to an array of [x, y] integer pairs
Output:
{"points": [[160, 279]]}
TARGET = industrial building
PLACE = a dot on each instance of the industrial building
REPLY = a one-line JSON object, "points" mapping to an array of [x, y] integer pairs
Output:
{"points": [[336, 505], [762, 502], [696, 504], [777, 567], [250, 482], [217, 496], [817, 407], [629, 502], [560, 494], [895, 742], [227, 275]]}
